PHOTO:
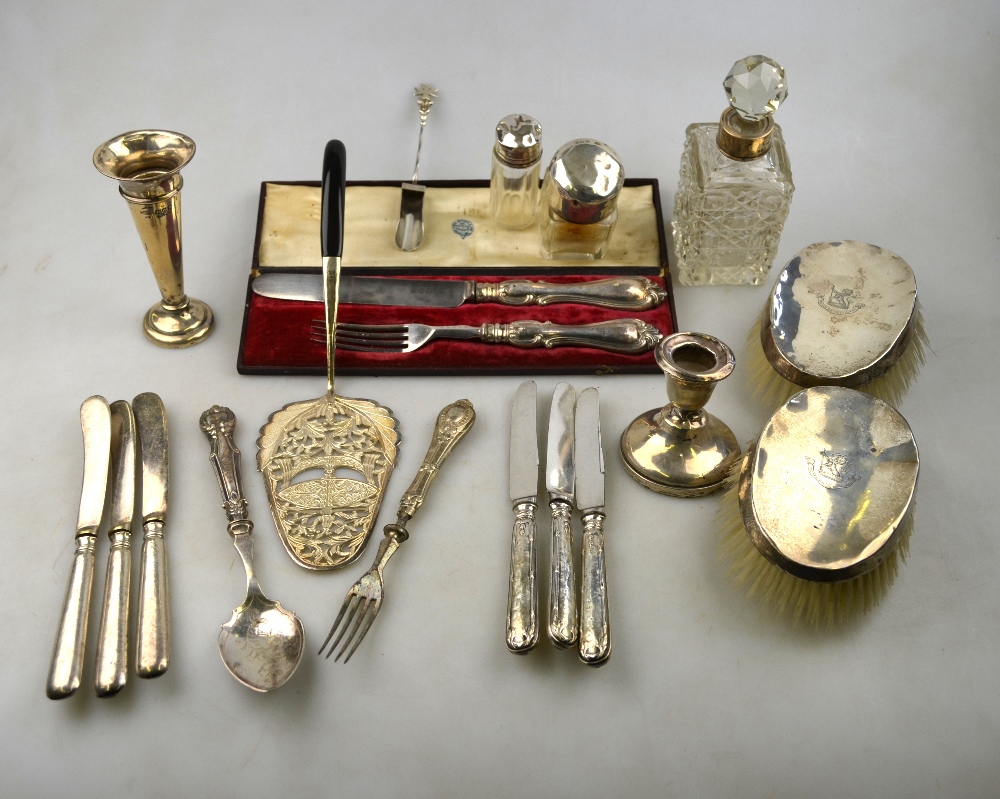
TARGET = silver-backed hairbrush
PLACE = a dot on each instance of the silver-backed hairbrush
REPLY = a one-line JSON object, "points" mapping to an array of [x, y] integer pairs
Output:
{"points": [[841, 313]]}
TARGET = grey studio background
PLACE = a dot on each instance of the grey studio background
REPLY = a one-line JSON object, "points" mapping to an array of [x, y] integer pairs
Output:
{"points": [[890, 125]]}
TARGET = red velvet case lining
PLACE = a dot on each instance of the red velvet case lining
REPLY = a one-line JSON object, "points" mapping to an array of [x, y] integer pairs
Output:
{"points": [[277, 338]]}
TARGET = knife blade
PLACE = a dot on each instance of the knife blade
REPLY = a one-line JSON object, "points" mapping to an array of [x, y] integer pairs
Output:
{"points": [[152, 651], [112, 639], [71, 635], [522, 596], [595, 627], [560, 476], [622, 293]]}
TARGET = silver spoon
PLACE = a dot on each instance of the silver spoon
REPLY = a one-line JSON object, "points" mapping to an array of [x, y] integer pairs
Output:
{"points": [[262, 643], [410, 228]]}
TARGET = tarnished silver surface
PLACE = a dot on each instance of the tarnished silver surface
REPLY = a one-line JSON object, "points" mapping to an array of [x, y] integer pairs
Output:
{"points": [[825, 491], [147, 165], [560, 479], [518, 140], [112, 639], [595, 623], [621, 293], [71, 635], [364, 599], [840, 313], [586, 177], [152, 650], [410, 228], [522, 595], [262, 643], [681, 449], [629, 336]]}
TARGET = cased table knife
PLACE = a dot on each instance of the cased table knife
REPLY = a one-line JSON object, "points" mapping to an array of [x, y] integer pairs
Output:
{"points": [[595, 627], [152, 650], [522, 597], [622, 293], [560, 476], [71, 637], [112, 640]]}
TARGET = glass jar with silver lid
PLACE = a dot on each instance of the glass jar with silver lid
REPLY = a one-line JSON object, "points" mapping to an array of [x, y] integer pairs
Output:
{"points": [[580, 200], [517, 157]]}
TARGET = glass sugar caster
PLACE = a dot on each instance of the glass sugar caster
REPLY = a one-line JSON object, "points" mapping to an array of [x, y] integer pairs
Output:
{"points": [[735, 185], [579, 206], [517, 158]]}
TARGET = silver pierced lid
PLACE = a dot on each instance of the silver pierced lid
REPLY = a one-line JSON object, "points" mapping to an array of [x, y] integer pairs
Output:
{"points": [[587, 176], [519, 140]]}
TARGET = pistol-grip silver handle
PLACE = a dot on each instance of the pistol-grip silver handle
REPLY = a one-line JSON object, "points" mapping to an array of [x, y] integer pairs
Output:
{"points": [[522, 597], [112, 641], [629, 336], [152, 649], [621, 293], [595, 626], [562, 594], [71, 637]]}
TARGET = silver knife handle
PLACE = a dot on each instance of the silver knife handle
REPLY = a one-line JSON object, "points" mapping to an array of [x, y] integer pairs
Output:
{"points": [[152, 650], [112, 658], [595, 627], [522, 597], [630, 336], [562, 598], [621, 293], [453, 423], [218, 424], [71, 637]]}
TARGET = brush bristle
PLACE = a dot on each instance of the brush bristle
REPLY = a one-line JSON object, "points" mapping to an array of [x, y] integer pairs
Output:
{"points": [[771, 390], [801, 601]]}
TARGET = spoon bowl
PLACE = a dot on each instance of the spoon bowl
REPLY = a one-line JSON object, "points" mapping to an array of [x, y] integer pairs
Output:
{"points": [[262, 643]]}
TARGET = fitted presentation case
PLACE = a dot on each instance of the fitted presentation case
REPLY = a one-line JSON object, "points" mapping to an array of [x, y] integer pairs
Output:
{"points": [[460, 242]]}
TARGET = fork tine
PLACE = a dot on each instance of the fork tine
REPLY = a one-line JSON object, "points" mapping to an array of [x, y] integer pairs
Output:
{"points": [[366, 348], [375, 337], [357, 623], [360, 347], [348, 327], [363, 333], [372, 612], [350, 607]]}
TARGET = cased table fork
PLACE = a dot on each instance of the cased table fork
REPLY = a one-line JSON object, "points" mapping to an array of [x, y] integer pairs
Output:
{"points": [[630, 336]]}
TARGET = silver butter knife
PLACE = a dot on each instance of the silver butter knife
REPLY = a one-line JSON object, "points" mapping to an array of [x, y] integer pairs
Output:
{"points": [[522, 597], [71, 636], [560, 475], [595, 626], [112, 640], [152, 651], [621, 293]]}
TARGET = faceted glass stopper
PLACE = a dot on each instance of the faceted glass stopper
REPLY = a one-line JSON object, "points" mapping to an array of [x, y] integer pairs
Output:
{"points": [[756, 87]]}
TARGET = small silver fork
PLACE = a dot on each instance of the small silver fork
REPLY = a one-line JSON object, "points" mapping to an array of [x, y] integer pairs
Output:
{"points": [[630, 336], [364, 599]]}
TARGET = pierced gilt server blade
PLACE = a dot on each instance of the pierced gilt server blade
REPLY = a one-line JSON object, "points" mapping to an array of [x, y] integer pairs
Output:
{"points": [[350, 445], [326, 462]]}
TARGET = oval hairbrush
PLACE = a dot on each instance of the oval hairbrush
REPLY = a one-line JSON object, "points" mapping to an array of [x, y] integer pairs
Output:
{"points": [[822, 511], [841, 313]]}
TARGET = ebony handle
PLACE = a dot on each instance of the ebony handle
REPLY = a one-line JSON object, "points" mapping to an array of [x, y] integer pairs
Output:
{"points": [[334, 186]]}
